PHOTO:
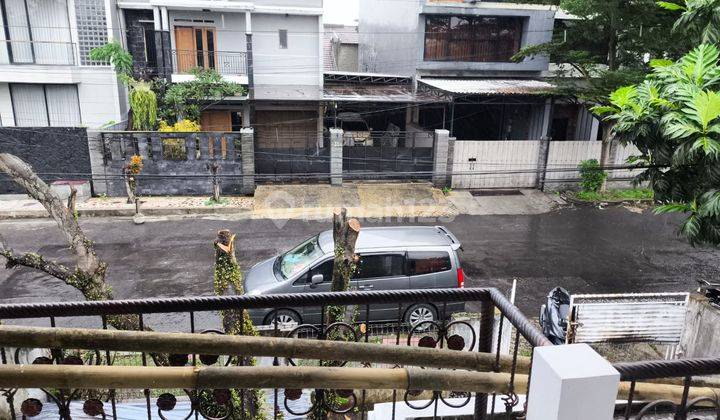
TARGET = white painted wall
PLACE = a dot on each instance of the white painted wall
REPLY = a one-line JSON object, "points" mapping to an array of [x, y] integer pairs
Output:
{"points": [[100, 98], [7, 118], [492, 158], [298, 65], [569, 154]]}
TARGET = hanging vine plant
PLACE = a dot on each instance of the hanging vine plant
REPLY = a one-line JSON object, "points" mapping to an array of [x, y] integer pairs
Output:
{"points": [[143, 101]]}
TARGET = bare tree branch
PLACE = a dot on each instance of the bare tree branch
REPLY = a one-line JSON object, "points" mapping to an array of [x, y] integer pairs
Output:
{"points": [[23, 175], [33, 260]]}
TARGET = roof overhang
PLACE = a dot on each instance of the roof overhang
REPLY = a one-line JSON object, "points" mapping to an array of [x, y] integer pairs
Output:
{"points": [[234, 6], [500, 87], [381, 93], [357, 77]]}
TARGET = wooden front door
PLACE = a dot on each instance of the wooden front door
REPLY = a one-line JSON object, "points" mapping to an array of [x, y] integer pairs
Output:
{"points": [[195, 48], [216, 121]]}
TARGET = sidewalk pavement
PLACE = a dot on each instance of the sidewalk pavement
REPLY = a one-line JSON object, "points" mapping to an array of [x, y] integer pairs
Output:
{"points": [[308, 202]]}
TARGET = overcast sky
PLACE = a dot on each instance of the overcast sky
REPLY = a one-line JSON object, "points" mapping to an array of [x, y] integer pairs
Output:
{"points": [[341, 11]]}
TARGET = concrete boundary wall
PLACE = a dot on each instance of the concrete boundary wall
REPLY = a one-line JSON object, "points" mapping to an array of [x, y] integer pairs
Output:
{"points": [[516, 164]]}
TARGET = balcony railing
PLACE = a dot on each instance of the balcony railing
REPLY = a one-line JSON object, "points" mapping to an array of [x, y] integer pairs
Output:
{"points": [[224, 62], [479, 343], [55, 53]]}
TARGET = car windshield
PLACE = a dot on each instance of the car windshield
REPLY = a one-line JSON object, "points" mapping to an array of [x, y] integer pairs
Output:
{"points": [[299, 258]]}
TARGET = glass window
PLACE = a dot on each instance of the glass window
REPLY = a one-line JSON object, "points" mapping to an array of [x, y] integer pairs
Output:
{"points": [[39, 31], [36, 105], [299, 258], [325, 269], [461, 38], [372, 266], [426, 262], [282, 33]]}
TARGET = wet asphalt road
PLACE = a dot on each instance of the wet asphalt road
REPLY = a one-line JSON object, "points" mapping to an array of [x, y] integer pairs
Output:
{"points": [[584, 250]]}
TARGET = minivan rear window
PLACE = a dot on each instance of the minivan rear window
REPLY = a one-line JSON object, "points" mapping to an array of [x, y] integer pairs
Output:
{"points": [[426, 262], [372, 266]]}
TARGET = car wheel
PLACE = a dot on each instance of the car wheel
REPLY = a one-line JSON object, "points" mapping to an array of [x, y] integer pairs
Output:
{"points": [[282, 316], [420, 314]]}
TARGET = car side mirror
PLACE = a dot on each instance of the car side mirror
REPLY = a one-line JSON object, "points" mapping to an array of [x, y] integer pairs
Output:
{"points": [[316, 279]]}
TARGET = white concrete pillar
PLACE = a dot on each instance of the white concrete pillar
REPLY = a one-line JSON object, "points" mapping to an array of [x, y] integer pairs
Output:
{"points": [[571, 382], [247, 144], [336, 156], [440, 158]]}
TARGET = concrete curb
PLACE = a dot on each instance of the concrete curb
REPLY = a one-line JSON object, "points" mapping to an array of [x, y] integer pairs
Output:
{"points": [[129, 212], [572, 200]]}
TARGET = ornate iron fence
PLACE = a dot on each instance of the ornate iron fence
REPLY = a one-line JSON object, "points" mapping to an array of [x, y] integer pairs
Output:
{"points": [[200, 315], [688, 373]]}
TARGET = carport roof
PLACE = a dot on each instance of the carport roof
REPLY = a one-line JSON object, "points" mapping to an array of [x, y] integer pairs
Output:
{"points": [[378, 93], [491, 86]]}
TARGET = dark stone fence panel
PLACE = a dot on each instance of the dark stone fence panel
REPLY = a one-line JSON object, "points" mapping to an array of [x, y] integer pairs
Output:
{"points": [[178, 163], [53, 152]]}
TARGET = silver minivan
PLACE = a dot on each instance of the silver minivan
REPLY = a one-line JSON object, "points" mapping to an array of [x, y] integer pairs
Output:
{"points": [[391, 258]]}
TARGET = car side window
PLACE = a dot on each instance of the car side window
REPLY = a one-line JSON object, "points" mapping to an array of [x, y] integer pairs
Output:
{"points": [[325, 269], [426, 262], [383, 265]]}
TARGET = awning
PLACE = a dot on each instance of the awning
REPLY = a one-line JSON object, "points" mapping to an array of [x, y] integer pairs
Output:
{"points": [[379, 93], [491, 86]]}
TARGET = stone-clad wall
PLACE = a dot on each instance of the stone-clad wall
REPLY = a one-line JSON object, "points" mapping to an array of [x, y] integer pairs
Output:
{"points": [[53, 152], [170, 169]]}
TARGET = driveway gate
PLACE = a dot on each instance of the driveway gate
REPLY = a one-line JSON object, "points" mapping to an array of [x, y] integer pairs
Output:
{"points": [[386, 155]]}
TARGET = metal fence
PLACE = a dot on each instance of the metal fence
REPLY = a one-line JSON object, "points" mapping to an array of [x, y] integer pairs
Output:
{"points": [[224, 62], [404, 155], [688, 373], [284, 154], [200, 315]]}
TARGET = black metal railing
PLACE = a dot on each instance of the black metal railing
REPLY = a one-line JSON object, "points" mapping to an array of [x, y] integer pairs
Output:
{"points": [[52, 53], [200, 315], [224, 62], [684, 372]]}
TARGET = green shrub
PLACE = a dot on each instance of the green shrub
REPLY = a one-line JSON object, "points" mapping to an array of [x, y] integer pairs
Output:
{"points": [[592, 175]]}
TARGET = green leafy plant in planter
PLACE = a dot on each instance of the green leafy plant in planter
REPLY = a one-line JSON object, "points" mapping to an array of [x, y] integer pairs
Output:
{"points": [[142, 98]]}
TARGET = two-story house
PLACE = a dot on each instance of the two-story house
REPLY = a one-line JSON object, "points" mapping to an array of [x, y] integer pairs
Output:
{"points": [[46, 75], [272, 47], [465, 49]]}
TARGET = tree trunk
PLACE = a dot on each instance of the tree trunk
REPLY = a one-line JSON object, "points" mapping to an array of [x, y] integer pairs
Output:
{"points": [[607, 149], [88, 276], [345, 234], [228, 281], [72, 200], [214, 168], [80, 245], [130, 185]]}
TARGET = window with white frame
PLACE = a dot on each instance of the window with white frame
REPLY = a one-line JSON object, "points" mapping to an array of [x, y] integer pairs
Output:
{"points": [[36, 32], [36, 105]]}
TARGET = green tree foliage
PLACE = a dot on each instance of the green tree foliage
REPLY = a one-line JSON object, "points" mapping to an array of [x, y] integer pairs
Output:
{"points": [[604, 48], [116, 55], [188, 99], [592, 175], [699, 19], [673, 118]]}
